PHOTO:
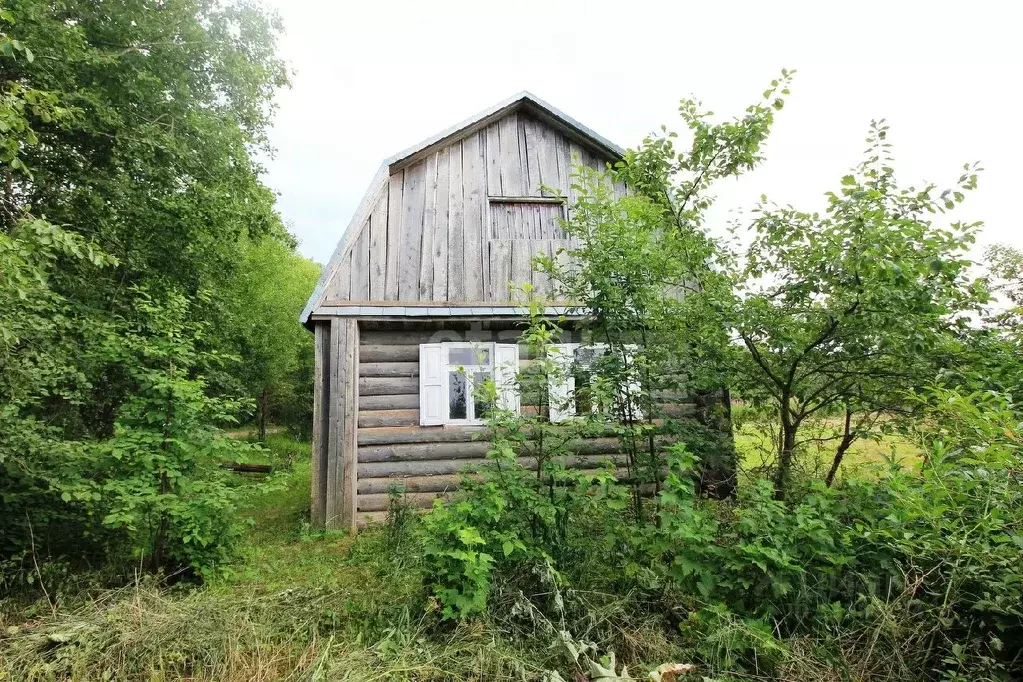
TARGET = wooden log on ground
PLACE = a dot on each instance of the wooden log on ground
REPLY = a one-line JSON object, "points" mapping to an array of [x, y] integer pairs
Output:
{"points": [[244, 467]]}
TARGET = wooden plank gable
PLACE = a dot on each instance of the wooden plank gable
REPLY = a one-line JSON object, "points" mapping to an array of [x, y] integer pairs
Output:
{"points": [[466, 219]]}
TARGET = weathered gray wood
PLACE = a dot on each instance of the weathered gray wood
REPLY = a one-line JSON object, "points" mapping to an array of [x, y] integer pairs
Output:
{"points": [[340, 286], [386, 418], [387, 386], [378, 249], [492, 149], [411, 336], [522, 254], [395, 198], [526, 200], [512, 181], [360, 265], [500, 269], [338, 341], [410, 243], [532, 157], [429, 231], [388, 369], [454, 466], [321, 424], [438, 252], [420, 434], [389, 353], [442, 483], [349, 447], [370, 486], [474, 203], [371, 503], [414, 452], [439, 289], [455, 239], [403, 401], [547, 159]]}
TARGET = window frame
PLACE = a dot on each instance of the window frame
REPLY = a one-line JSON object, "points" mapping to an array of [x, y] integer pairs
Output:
{"points": [[434, 388], [467, 371], [567, 391]]}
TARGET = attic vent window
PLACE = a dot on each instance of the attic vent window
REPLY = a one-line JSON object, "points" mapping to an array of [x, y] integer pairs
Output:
{"points": [[527, 218]]}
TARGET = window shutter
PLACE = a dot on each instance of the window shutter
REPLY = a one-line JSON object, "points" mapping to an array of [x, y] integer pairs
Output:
{"points": [[432, 393], [506, 370], [561, 385]]}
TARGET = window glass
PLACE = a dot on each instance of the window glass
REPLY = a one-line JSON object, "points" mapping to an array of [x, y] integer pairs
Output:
{"points": [[458, 395], [480, 401], [468, 356]]}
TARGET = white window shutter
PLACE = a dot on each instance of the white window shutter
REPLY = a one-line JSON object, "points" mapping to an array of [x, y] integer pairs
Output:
{"points": [[506, 370], [432, 389], [561, 385]]}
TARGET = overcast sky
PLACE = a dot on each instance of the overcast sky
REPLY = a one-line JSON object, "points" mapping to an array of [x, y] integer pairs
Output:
{"points": [[374, 78]]}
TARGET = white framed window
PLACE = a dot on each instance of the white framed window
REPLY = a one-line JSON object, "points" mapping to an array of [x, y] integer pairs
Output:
{"points": [[574, 391], [450, 375]]}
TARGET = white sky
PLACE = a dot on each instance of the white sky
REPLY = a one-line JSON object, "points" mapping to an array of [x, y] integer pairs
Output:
{"points": [[372, 78]]}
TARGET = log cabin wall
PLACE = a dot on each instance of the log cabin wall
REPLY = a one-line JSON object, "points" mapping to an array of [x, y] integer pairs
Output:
{"points": [[460, 223], [380, 443]]}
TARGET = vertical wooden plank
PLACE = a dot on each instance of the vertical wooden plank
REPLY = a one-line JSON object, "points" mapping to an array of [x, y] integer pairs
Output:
{"points": [[456, 269], [349, 448], [321, 424], [474, 197], [340, 288], [492, 151], [541, 282], [521, 255], [531, 128], [360, 265], [511, 163], [440, 232], [411, 231], [378, 249], [395, 187], [332, 507], [500, 269], [429, 230], [547, 159]]}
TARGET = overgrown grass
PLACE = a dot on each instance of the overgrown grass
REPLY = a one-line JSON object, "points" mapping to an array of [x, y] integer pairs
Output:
{"points": [[300, 604]]}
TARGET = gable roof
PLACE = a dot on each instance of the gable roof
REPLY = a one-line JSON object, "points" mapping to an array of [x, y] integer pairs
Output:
{"points": [[524, 101]]}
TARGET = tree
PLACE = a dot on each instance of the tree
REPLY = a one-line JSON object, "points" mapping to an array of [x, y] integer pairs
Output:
{"points": [[267, 295], [643, 280], [842, 313], [166, 103]]}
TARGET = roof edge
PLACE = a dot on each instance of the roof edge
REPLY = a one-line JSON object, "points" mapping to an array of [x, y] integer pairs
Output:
{"points": [[360, 215], [483, 118]]}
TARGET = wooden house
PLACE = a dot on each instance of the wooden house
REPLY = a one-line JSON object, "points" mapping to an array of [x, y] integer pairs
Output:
{"points": [[417, 295]]}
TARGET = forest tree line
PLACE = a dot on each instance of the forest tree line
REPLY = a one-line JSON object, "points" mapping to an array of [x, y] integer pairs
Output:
{"points": [[149, 288]]}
